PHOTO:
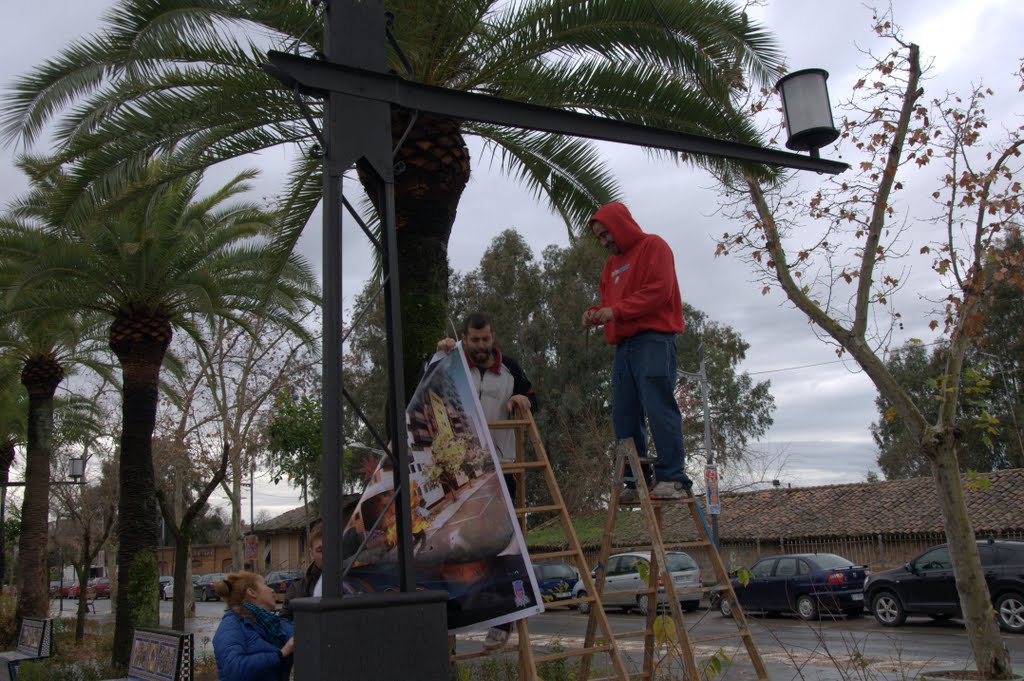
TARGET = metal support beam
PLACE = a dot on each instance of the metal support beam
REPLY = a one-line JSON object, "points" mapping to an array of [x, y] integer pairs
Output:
{"points": [[320, 77]]}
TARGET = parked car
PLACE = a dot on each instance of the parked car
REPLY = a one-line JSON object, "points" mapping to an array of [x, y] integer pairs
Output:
{"points": [[804, 583], [925, 586], [280, 580], [99, 587], [169, 589], [555, 580], [203, 588], [55, 589], [164, 581], [623, 580], [70, 590]]}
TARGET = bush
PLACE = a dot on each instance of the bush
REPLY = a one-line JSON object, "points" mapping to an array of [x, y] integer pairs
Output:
{"points": [[8, 632]]}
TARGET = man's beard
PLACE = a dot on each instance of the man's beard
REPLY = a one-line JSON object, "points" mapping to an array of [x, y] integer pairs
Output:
{"points": [[481, 356]]}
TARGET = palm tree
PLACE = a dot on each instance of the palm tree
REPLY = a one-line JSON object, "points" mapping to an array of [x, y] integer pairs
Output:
{"points": [[44, 345], [163, 77], [12, 434], [161, 261]]}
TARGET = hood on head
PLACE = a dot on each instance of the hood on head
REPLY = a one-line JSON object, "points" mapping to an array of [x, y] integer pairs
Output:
{"points": [[621, 225]]}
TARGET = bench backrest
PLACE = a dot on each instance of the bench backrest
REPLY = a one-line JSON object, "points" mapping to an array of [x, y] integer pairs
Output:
{"points": [[35, 638], [161, 655]]}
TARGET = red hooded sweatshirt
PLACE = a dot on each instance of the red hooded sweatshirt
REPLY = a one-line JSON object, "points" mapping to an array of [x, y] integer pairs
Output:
{"points": [[639, 283]]}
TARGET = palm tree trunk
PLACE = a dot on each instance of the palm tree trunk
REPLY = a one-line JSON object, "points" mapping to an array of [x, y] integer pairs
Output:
{"points": [[434, 170], [6, 459], [140, 345], [41, 378]]}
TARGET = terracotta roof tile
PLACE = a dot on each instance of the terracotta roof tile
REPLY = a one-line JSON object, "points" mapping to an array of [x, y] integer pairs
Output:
{"points": [[892, 507]]}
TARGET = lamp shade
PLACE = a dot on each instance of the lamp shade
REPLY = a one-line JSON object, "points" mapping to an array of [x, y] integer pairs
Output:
{"points": [[76, 468], [807, 110]]}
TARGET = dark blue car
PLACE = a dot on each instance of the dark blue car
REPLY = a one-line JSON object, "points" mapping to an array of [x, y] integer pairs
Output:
{"points": [[804, 583], [555, 581]]}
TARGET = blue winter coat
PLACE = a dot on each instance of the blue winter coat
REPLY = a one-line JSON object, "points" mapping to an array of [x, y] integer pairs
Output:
{"points": [[243, 655]]}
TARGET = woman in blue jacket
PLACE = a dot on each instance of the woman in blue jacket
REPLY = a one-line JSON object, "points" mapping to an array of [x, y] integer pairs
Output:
{"points": [[252, 643]]}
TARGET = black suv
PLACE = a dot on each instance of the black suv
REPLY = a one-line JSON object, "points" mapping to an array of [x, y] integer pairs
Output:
{"points": [[926, 586]]}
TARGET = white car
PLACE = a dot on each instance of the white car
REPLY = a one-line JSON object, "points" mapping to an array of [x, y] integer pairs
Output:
{"points": [[623, 581], [169, 591]]}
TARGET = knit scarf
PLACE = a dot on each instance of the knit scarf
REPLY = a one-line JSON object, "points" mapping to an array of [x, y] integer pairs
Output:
{"points": [[269, 624]]}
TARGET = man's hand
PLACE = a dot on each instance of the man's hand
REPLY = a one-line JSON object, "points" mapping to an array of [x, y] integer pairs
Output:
{"points": [[518, 402], [446, 345], [598, 317]]}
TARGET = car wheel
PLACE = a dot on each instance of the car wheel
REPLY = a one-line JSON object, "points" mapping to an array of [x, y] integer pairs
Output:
{"points": [[1010, 612], [887, 609], [641, 605], [807, 608], [584, 607], [725, 607]]}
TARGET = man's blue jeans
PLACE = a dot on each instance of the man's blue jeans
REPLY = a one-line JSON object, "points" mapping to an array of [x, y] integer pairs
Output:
{"points": [[643, 383]]}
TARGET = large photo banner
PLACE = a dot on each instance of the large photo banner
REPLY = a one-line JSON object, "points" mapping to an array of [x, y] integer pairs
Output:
{"points": [[467, 540]]}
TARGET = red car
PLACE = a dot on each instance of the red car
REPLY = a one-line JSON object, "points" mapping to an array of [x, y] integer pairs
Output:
{"points": [[99, 587], [70, 591]]}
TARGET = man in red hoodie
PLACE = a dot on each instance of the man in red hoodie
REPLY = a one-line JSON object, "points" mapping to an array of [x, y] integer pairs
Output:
{"points": [[641, 312]]}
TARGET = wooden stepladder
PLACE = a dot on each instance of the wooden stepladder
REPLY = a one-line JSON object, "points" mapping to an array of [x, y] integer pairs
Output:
{"points": [[528, 661], [651, 511]]}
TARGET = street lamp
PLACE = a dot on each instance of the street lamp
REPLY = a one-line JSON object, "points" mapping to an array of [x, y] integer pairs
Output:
{"points": [[76, 470], [807, 110]]}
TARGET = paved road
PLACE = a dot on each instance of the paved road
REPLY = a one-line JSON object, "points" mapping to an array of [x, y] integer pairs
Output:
{"points": [[793, 649]]}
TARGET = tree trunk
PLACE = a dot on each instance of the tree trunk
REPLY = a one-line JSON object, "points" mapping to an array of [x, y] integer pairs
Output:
{"points": [[82, 570], [6, 459], [140, 345], [975, 601], [182, 578], [41, 378], [427, 192], [237, 557]]}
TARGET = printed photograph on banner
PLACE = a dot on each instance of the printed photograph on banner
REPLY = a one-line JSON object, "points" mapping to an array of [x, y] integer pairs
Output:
{"points": [[466, 539]]}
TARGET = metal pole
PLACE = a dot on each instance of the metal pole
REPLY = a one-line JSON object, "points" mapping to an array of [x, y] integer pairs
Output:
{"points": [[707, 430], [252, 491]]}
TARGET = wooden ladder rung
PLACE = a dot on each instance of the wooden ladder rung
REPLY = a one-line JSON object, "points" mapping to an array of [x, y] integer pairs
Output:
{"points": [[522, 466], [538, 509], [548, 555], [578, 652], [576, 601], [632, 634]]}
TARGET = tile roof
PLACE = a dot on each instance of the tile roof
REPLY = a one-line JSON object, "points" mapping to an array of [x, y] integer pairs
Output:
{"points": [[293, 520], [995, 502]]}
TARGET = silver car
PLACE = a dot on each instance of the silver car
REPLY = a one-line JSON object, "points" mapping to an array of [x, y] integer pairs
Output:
{"points": [[623, 580]]}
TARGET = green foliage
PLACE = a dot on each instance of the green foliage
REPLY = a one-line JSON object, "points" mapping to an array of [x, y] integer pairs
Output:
{"points": [[142, 590], [294, 442], [715, 665], [8, 630], [989, 441]]}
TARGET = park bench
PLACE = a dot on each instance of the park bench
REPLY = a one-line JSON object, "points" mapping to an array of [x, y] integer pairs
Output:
{"points": [[160, 655], [35, 642]]}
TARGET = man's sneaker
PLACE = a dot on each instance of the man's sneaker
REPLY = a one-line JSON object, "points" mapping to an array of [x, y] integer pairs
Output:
{"points": [[671, 490], [629, 495], [496, 638]]}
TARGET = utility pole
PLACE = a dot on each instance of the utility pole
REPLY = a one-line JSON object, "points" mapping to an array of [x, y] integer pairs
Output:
{"points": [[702, 376]]}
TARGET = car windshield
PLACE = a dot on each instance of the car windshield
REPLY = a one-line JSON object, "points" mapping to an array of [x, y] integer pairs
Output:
{"points": [[830, 561], [680, 562], [558, 572]]}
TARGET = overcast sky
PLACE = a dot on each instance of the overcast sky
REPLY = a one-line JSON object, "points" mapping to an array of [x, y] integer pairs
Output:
{"points": [[823, 407]]}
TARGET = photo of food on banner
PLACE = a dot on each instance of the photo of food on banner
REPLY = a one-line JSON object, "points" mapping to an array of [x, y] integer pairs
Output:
{"points": [[466, 538]]}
